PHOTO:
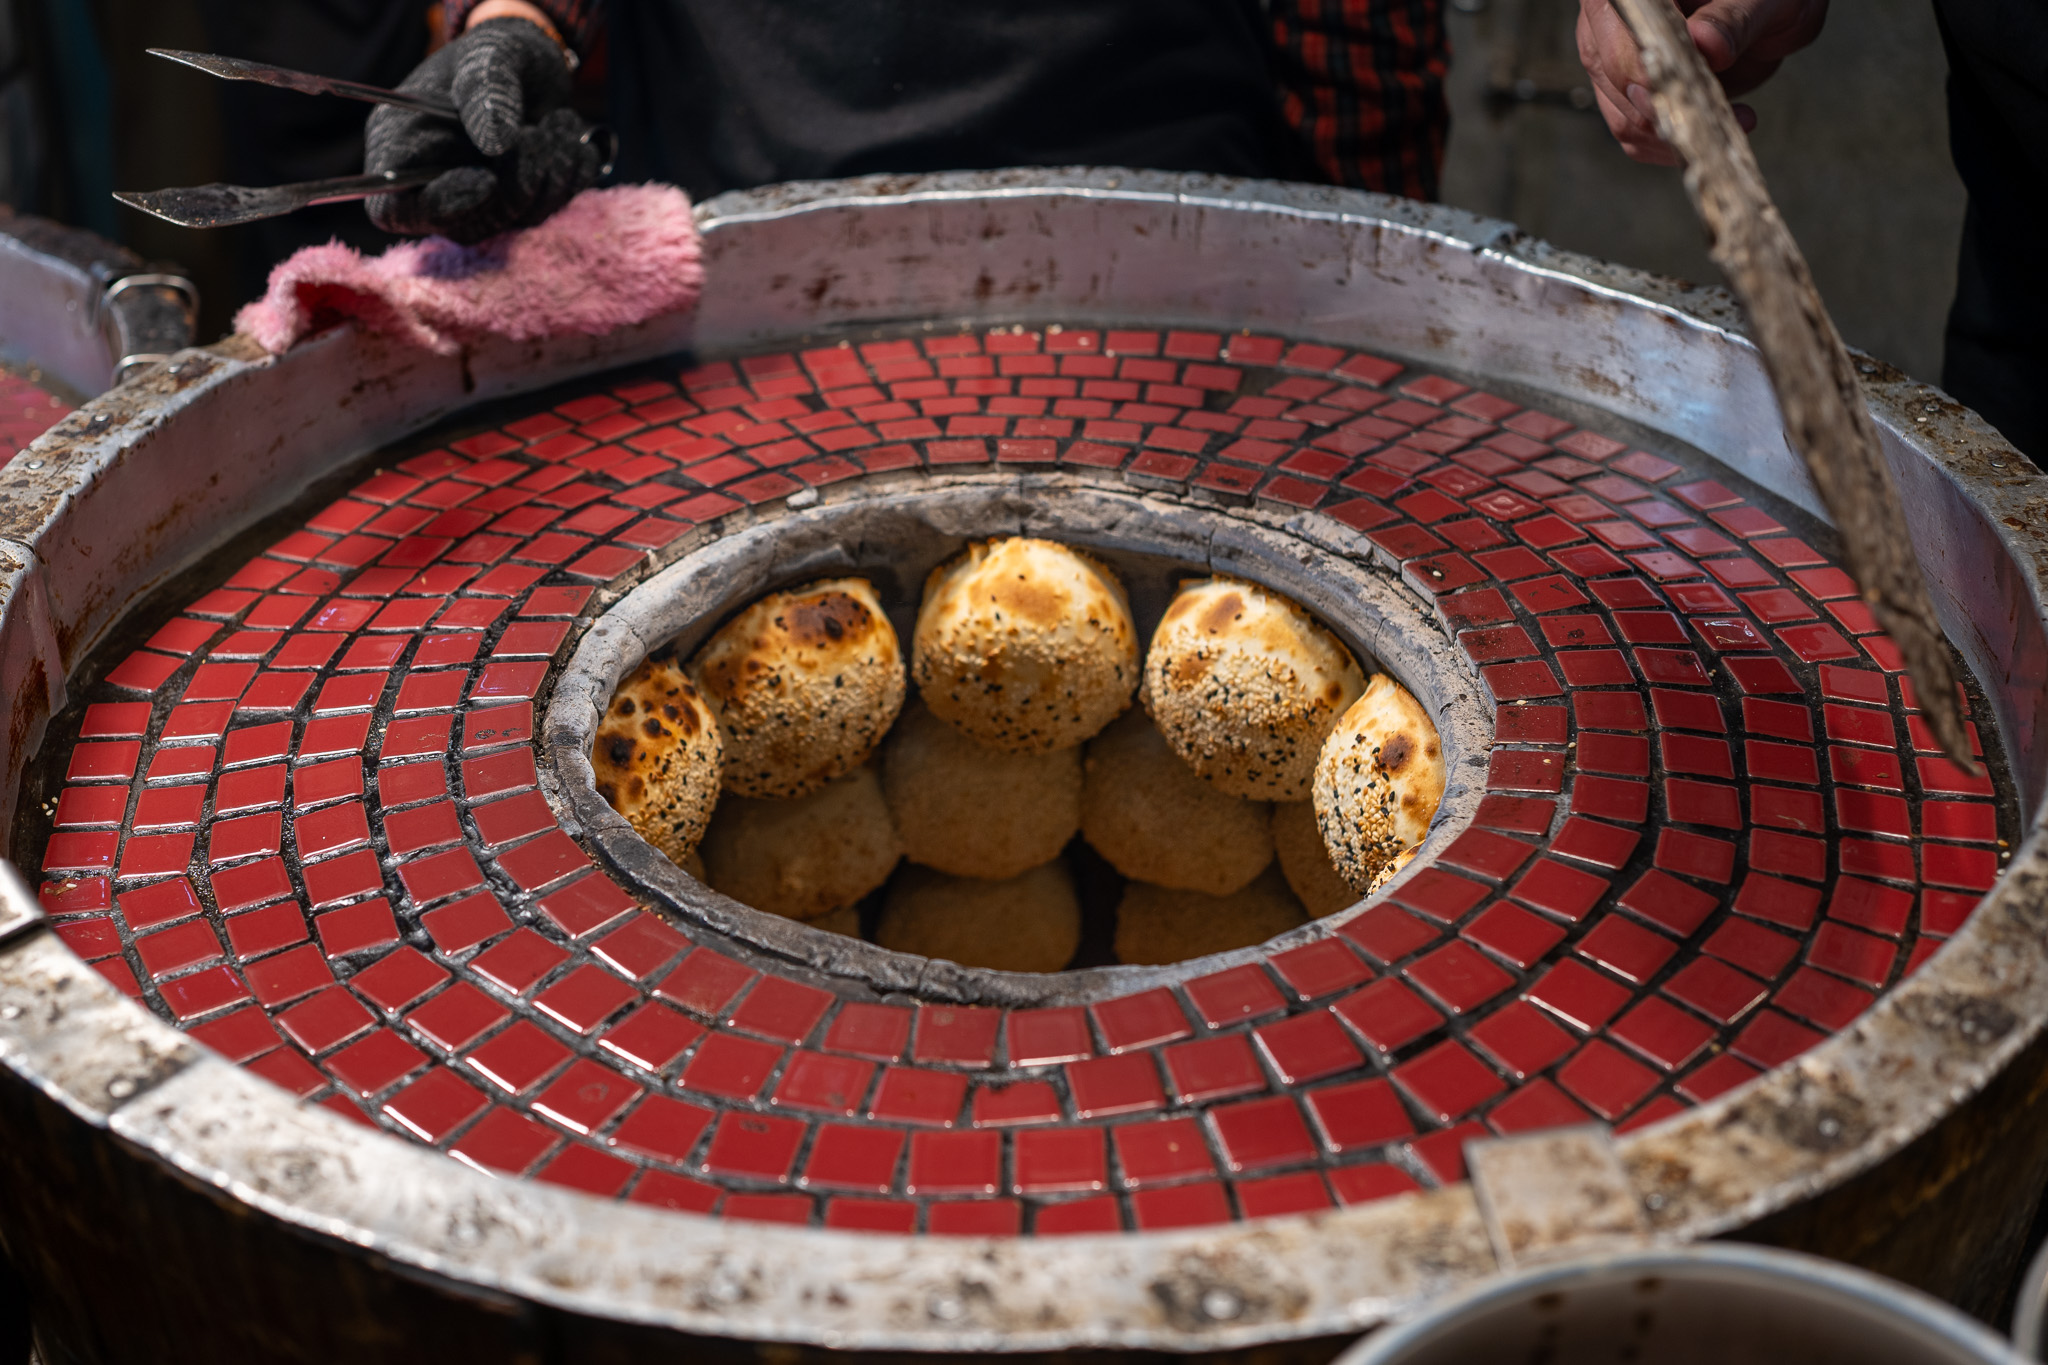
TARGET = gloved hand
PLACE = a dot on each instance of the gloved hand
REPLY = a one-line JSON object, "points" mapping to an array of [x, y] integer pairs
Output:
{"points": [[518, 154]]}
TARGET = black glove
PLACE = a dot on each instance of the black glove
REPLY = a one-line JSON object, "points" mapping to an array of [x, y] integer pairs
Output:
{"points": [[518, 155]]}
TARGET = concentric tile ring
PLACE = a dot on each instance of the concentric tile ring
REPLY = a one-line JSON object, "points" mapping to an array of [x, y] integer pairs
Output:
{"points": [[1623, 931]]}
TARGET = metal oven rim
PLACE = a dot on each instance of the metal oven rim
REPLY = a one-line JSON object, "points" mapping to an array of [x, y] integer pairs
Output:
{"points": [[1937, 1039]]}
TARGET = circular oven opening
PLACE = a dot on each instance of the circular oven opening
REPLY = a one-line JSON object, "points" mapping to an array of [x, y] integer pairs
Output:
{"points": [[1070, 922]]}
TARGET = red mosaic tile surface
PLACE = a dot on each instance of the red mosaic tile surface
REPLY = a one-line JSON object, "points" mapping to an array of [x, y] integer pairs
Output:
{"points": [[301, 817]]}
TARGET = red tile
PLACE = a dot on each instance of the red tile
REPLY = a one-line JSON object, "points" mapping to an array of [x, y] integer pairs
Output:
{"points": [[1258, 1135], [1458, 977], [1060, 1161], [1440, 895], [517, 1059], [1626, 948], [1195, 1205], [1621, 755], [585, 998], [1160, 1152], [288, 975], [1321, 968], [1715, 989], [1021, 1102], [1772, 1039], [844, 1157], [1703, 803], [1048, 1036], [517, 963], [463, 924], [754, 1147], [1534, 1107], [1559, 889], [457, 1017], [651, 1037], [662, 1128], [1226, 997], [913, 1095], [1607, 1080], [396, 980], [1213, 1068], [880, 1032], [705, 983], [1752, 947], [583, 1168], [1386, 935], [1366, 1183], [1486, 853], [1870, 906], [1387, 1014], [1821, 999], [1520, 1039], [1308, 1047], [1662, 1033], [1448, 1081], [1527, 724], [1580, 995], [779, 1008], [955, 1035], [504, 1141], [824, 1084], [586, 1096], [1781, 902], [1591, 841], [1140, 1021], [1105, 1087], [961, 1162], [176, 949], [733, 1067], [1858, 956]]}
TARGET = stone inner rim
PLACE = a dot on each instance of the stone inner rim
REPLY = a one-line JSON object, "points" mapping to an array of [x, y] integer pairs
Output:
{"points": [[895, 533]]}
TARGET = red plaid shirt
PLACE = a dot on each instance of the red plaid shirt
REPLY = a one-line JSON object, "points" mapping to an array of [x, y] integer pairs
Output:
{"points": [[1362, 81]]}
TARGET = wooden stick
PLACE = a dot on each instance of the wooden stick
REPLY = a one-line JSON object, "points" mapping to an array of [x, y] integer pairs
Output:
{"points": [[1825, 419]]}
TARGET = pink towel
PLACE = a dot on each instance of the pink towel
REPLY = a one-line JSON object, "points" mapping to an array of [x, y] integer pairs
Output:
{"points": [[608, 259]]}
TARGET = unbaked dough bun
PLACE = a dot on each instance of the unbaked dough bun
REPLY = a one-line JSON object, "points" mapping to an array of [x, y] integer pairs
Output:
{"points": [[1378, 782], [1025, 645], [805, 683], [1244, 684], [1155, 926], [1027, 923], [1155, 821], [807, 857], [657, 756], [973, 811], [1305, 862]]}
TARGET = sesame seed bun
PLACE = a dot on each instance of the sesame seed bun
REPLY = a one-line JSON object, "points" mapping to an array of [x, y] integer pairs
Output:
{"points": [[803, 858], [657, 756], [1027, 923], [1306, 863], [805, 683], [1025, 645], [1378, 782], [1155, 925], [973, 811], [1145, 811], [1244, 684]]}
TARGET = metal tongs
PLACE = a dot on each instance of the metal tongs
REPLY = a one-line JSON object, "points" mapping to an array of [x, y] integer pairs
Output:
{"points": [[209, 206]]}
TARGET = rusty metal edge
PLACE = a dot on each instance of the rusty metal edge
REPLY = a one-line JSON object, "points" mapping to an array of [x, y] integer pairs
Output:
{"points": [[1986, 993]]}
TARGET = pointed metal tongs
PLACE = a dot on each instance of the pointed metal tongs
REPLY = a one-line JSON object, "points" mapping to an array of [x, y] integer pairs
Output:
{"points": [[209, 206]]}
